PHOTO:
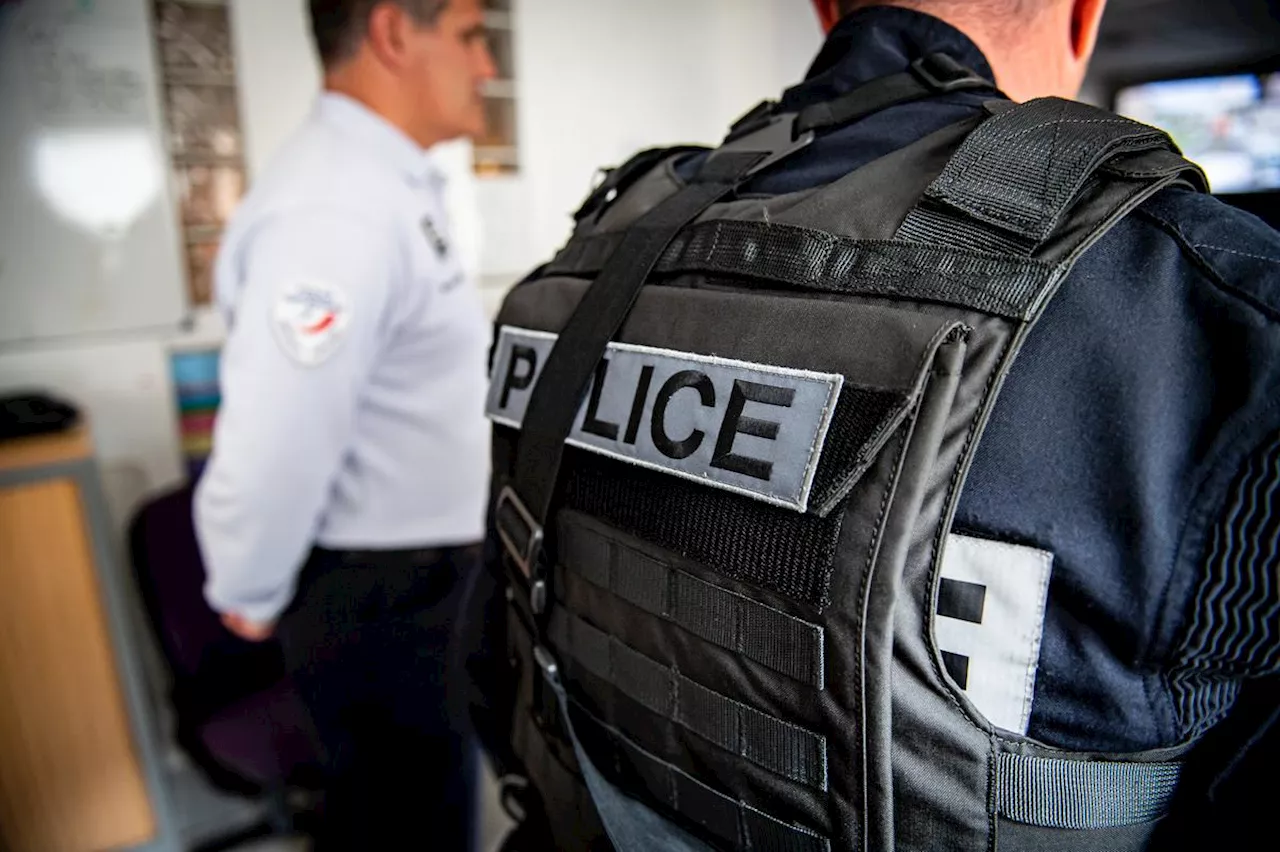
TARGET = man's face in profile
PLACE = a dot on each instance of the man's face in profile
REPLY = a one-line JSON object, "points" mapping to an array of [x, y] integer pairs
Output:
{"points": [[449, 63]]}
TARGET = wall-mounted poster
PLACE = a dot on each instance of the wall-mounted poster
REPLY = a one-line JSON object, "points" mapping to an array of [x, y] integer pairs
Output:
{"points": [[195, 380]]}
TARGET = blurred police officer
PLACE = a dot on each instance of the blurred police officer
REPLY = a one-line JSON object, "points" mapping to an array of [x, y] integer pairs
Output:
{"points": [[346, 491], [1135, 442]]}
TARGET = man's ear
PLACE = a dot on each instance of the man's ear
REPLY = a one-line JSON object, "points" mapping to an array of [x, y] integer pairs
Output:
{"points": [[828, 13], [1086, 20], [386, 34]]}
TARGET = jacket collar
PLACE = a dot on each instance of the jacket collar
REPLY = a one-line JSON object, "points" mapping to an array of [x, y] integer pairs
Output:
{"points": [[876, 42]]}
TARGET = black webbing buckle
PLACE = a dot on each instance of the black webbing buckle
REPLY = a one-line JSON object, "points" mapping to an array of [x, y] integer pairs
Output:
{"points": [[942, 73], [522, 537], [546, 708], [775, 138], [758, 116]]}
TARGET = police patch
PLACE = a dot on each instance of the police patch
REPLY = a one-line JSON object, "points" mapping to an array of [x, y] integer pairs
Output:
{"points": [[754, 429], [310, 320], [988, 621]]}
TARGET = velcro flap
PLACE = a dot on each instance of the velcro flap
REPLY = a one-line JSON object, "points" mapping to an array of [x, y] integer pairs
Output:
{"points": [[780, 399]]}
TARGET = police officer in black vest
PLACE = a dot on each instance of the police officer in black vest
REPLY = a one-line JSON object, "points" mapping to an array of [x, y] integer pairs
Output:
{"points": [[1133, 454]]}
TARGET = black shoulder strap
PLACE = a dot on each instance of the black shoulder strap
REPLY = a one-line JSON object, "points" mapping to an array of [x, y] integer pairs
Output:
{"points": [[599, 316], [522, 507], [1013, 180], [932, 74], [618, 179]]}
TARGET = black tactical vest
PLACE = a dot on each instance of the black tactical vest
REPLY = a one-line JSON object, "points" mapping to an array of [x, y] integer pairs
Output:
{"points": [[730, 436]]}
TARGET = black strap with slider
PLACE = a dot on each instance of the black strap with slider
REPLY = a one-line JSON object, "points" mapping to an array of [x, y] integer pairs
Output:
{"points": [[928, 76]]}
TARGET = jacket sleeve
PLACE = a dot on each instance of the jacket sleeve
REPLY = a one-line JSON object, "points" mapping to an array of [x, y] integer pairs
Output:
{"points": [[1232, 631], [306, 327]]}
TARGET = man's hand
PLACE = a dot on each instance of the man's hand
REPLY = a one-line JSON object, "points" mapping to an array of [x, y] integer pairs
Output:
{"points": [[250, 631]]}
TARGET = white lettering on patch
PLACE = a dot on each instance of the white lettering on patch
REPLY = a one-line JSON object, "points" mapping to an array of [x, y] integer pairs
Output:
{"points": [[988, 620], [754, 429]]}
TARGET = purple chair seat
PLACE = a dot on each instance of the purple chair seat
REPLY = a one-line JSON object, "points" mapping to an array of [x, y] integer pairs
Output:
{"points": [[238, 715], [264, 737]]}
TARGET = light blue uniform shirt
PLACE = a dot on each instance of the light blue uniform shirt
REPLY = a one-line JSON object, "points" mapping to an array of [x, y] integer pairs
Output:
{"points": [[353, 376]]}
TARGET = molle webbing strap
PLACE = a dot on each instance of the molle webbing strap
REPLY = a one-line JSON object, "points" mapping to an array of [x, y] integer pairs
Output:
{"points": [[633, 826], [1080, 794], [780, 747], [816, 260], [768, 636]]}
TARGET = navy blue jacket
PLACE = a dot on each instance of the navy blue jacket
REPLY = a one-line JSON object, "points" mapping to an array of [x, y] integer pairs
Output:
{"points": [[1137, 438]]}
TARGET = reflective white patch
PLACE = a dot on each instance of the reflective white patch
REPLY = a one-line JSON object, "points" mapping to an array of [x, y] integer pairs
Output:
{"points": [[754, 429], [988, 621], [310, 321]]}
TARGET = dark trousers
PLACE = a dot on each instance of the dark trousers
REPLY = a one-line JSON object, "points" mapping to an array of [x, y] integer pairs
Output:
{"points": [[367, 641]]}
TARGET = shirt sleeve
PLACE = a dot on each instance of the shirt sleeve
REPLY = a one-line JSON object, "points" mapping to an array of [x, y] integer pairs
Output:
{"points": [[306, 327]]}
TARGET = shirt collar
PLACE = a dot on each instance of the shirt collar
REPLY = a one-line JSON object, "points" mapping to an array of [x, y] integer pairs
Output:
{"points": [[876, 42], [381, 138]]}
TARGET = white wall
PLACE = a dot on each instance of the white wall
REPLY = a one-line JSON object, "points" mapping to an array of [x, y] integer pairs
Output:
{"points": [[277, 72], [797, 37], [599, 81]]}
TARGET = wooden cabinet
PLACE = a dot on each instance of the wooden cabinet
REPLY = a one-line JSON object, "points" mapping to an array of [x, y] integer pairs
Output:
{"points": [[73, 773]]}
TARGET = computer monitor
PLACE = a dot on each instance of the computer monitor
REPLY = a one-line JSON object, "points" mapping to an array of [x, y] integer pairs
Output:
{"points": [[1229, 125]]}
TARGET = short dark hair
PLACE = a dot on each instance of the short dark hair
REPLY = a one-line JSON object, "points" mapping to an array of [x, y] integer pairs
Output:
{"points": [[339, 25], [1010, 8]]}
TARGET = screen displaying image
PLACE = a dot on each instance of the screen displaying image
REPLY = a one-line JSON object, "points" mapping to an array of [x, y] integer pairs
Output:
{"points": [[1230, 126]]}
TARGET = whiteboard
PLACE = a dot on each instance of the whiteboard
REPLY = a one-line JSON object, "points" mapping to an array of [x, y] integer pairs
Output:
{"points": [[89, 240]]}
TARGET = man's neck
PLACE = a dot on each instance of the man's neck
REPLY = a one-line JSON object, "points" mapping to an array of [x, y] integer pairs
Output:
{"points": [[1014, 59], [378, 97]]}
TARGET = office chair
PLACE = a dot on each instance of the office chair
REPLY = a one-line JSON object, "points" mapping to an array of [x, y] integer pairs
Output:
{"points": [[238, 716]]}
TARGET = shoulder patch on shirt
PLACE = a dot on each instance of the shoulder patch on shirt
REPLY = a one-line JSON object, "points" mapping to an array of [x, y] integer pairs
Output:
{"points": [[753, 429], [310, 319], [988, 620]]}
